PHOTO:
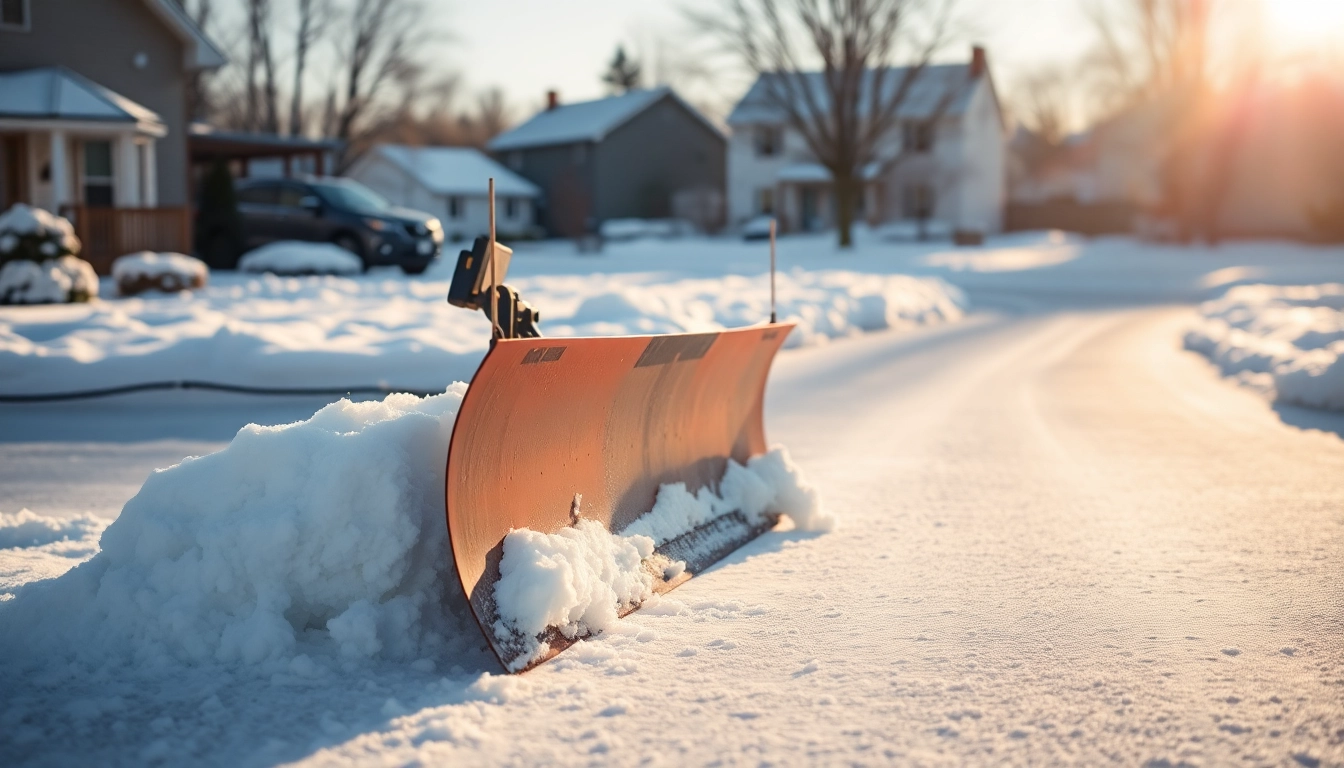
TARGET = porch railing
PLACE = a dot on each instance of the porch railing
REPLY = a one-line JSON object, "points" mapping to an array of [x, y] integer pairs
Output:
{"points": [[107, 233]]}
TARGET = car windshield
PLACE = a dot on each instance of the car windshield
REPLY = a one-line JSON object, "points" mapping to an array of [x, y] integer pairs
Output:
{"points": [[352, 196]]}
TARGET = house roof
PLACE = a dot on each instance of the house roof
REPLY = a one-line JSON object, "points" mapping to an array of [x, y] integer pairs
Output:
{"points": [[586, 120], [457, 171], [56, 93], [937, 84], [200, 52]]}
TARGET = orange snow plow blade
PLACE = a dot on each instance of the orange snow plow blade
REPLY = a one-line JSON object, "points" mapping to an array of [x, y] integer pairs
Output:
{"points": [[608, 419]]}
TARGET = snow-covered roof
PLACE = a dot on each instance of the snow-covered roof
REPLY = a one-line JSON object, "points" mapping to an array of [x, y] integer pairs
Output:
{"points": [[199, 52], [457, 171], [585, 121], [56, 93], [938, 84]]}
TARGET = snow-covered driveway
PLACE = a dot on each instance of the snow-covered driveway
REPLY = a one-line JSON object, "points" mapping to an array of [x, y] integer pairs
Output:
{"points": [[1062, 539]]}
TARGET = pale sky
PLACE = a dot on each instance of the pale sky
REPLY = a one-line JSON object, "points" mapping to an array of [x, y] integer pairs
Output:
{"points": [[527, 47]]}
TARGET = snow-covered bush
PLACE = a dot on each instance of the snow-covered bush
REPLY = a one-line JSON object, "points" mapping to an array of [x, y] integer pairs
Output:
{"points": [[53, 281], [37, 259], [167, 272], [35, 235], [292, 257]]}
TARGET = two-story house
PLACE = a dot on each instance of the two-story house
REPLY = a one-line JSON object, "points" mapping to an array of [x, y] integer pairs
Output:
{"points": [[646, 154], [942, 160], [93, 115]]}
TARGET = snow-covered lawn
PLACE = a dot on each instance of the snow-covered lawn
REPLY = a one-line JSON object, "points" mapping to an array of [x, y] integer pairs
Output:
{"points": [[1287, 340]]}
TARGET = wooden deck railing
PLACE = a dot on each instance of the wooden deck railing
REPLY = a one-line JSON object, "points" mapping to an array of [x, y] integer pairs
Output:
{"points": [[107, 233]]}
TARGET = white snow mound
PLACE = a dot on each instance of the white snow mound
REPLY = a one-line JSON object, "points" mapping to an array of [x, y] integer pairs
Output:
{"points": [[28, 529], [1286, 339], [322, 537], [187, 270], [293, 257], [53, 281], [579, 579]]}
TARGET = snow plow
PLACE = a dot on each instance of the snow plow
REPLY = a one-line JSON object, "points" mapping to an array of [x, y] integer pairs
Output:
{"points": [[557, 433]]}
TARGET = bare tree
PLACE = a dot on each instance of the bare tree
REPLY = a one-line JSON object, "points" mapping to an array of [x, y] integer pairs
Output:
{"points": [[199, 103], [846, 110], [313, 17], [381, 48], [1042, 104], [262, 113]]}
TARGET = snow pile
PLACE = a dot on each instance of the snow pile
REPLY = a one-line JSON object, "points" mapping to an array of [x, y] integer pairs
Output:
{"points": [[292, 257], [322, 538], [168, 272], [1288, 339], [54, 281], [28, 529], [341, 332], [580, 579], [825, 305], [635, 229], [34, 234]]}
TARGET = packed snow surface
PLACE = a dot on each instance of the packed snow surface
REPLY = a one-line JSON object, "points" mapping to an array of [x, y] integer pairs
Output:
{"points": [[293, 257], [1288, 340], [184, 271], [339, 332], [27, 529], [579, 579], [53, 281]]}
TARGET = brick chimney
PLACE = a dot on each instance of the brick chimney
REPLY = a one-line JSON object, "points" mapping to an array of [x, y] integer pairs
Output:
{"points": [[979, 64], [552, 100]]}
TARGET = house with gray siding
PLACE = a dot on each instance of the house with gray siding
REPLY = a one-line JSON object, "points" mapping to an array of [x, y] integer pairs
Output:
{"points": [[646, 154], [93, 111]]}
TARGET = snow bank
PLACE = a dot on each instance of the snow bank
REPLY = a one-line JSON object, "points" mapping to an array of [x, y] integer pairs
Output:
{"points": [[292, 257], [27, 529], [169, 272], [634, 229], [1286, 339], [341, 332], [54, 281], [322, 538], [580, 579]]}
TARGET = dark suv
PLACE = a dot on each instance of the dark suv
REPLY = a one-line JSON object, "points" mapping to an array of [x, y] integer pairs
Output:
{"points": [[339, 211]]}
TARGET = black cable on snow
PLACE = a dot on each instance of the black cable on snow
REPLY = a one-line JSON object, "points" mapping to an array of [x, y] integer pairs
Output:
{"points": [[88, 394]]}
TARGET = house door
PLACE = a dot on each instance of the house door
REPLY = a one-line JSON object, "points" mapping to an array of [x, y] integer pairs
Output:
{"points": [[809, 206], [13, 171]]}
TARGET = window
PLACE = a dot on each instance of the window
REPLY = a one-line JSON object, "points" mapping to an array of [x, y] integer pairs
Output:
{"points": [[291, 196], [14, 15], [765, 201], [259, 194], [510, 207], [917, 136], [769, 142], [454, 207], [98, 173], [917, 201]]}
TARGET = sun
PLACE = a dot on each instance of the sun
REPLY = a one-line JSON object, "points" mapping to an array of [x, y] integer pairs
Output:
{"points": [[1296, 22]]}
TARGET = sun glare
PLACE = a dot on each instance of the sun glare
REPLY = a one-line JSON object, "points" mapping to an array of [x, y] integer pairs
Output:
{"points": [[1306, 21]]}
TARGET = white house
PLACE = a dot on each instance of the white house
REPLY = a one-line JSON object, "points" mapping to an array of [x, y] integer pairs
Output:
{"points": [[943, 160], [451, 183]]}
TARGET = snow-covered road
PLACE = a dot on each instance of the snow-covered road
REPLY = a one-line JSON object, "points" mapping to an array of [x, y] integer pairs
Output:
{"points": [[1062, 539]]}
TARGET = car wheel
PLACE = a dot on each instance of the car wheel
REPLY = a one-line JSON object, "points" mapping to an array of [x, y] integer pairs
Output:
{"points": [[415, 269], [351, 243]]}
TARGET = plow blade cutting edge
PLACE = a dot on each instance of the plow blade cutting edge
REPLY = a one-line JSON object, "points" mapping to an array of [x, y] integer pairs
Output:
{"points": [[610, 419]]}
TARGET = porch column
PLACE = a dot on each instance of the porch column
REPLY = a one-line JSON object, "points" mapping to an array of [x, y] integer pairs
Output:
{"points": [[60, 172], [149, 176], [126, 171]]}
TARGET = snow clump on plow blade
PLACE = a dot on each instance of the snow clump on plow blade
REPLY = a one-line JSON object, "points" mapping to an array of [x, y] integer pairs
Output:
{"points": [[587, 473]]}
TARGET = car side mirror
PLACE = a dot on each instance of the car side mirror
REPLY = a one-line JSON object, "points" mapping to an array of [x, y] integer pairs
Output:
{"points": [[311, 203]]}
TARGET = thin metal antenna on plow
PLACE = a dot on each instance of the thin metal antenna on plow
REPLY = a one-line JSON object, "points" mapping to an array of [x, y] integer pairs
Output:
{"points": [[496, 332], [773, 318]]}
